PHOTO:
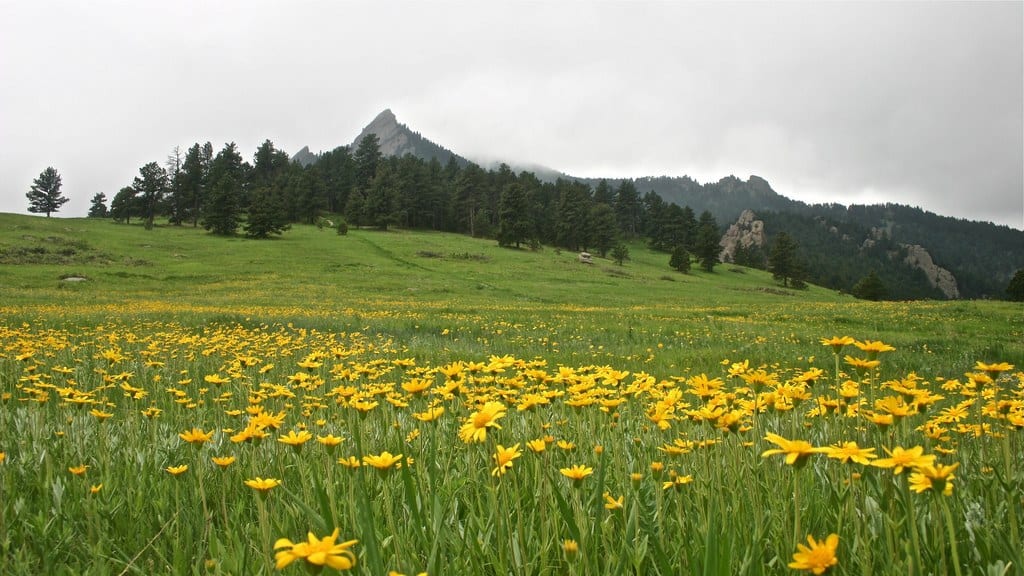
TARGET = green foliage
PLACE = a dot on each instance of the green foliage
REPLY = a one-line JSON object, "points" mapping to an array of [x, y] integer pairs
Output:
{"points": [[123, 205], [266, 214], [870, 287], [620, 253], [603, 229], [707, 248], [367, 159], [382, 208], [838, 255], [341, 227], [750, 256], [150, 186], [223, 203], [1015, 290], [98, 206], [628, 208], [573, 216], [45, 195], [186, 200], [515, 224], [784, 262], [680, 259]]}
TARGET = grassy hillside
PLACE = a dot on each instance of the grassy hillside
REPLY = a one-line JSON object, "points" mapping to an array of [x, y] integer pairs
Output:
{"points": [[196, 405], [449, 294]]}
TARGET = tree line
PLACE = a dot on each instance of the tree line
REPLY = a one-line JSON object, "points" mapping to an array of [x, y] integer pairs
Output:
{"points": [[224, 193]]}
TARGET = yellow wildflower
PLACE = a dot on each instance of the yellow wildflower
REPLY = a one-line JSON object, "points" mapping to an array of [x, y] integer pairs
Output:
{"points": [[577, 473], [223, 461], [177, 470], [263, 485], [850, 451], [318, 552], [382, 462], [900, 459], [818, 557], [196, 436], [503, 459], [796, 451], [475, 427]]}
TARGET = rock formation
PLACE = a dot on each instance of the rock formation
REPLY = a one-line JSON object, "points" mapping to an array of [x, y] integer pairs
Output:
{"points": [[938, 276], [392, 139], [304, 156], [747, 231]]}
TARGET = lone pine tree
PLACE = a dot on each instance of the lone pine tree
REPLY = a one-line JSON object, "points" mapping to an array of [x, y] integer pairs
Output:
{"points": [[45, 196]]}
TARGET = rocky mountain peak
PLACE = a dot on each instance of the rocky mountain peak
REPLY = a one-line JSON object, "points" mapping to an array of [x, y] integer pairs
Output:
{"points": [[393, 138], [304, 156]]}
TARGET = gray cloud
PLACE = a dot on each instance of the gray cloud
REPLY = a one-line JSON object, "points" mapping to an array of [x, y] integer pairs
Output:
{"points": [[917, 103]]}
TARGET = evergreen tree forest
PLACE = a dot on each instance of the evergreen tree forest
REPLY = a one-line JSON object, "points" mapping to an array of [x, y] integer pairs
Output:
{"points": [[226, 194]]}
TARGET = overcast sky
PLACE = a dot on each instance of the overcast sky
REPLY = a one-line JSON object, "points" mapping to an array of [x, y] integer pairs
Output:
{"points": [[917, 103]]}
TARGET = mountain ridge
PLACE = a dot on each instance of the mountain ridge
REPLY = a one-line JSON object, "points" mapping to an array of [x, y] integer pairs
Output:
{"points": [[943, 238]]}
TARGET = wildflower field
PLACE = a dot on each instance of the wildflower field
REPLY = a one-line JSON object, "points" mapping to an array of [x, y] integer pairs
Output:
{"points": [[423, 403]]}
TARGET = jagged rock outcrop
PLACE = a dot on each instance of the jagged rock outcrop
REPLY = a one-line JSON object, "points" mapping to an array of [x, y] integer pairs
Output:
{"points": [[938, 276], [304, 156], [747, 231], [393, 139]]}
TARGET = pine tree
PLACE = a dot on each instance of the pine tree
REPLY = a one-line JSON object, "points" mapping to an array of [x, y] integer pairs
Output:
{"points": [[680, 259], [98, 206], [222, 208], [573, 215], [870, 287], [603, 228], [266, 214], [123, 205], [188, 195], [269, 166], [514, 223], [173, 165], [604, 194], [1015, 291], [367, 159], [467, 199], [784, 263], [620, 253], [628, 208], [150, 187], [654, 218], [45, 196], [382, 208], [707, 247]]}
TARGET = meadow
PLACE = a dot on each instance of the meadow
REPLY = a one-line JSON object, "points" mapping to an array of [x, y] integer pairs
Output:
{"points": [[201, 405]]}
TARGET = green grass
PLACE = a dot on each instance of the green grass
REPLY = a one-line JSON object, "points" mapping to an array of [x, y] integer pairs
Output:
{"points": [[329, 319], [490, 297]]}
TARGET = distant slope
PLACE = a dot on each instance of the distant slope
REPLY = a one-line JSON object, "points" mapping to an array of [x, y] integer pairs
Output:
{"points": [[725, 199]]}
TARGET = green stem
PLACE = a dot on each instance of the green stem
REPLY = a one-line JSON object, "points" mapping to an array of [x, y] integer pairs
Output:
{"points": [[1011, 480], [952, 534], [261, 507], [914, 536], [796, 509]]}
